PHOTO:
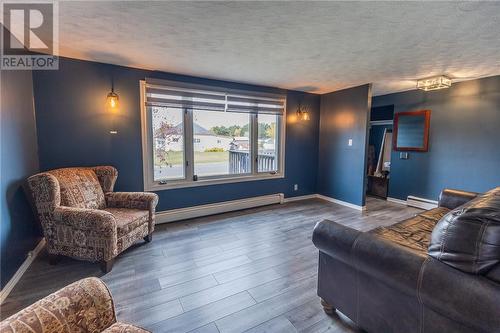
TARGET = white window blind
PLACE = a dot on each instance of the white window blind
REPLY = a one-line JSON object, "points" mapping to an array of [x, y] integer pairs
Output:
{"points": [[190, 96]]}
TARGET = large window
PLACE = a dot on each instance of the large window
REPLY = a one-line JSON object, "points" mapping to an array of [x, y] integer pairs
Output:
{"points": [[198, 135]]}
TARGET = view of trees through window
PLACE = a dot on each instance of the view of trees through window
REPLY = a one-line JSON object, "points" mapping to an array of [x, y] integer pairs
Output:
{"points": [[221, 143], [224, 144], [268, 143]]}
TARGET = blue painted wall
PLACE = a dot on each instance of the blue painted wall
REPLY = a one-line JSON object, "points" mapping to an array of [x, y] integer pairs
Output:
{"points": [[73, 129], [19, 159], [464, 146], [342, 168]]}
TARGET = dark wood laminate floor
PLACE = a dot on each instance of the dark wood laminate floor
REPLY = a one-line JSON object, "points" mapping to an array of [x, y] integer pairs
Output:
{"points": [[246, 271]]}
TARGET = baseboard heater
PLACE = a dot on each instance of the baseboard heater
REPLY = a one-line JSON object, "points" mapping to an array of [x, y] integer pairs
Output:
{"points": [[217, 208], [421, 202]]}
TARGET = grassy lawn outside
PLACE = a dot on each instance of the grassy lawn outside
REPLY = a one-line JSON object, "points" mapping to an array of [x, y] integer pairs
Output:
{"points": [[176, 157]]}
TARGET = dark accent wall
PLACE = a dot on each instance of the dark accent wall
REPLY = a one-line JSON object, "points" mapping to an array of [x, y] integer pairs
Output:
{"points": [[19, 160], [464, 142], [384, 112], [73, 130], [342, 168]]}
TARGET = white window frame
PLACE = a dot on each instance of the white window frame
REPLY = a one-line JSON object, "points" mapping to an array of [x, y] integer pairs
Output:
{"points": [[254, 175]]}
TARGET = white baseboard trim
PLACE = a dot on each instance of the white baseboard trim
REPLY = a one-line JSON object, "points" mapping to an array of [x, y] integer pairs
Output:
{"points": [[217, 208], [398, 201], [340, 202], [229, 206], [21, 270], [301, 197], [417, 202], [421, 202]]}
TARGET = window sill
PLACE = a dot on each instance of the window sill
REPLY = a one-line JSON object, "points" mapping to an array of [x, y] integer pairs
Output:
{"points": [[207, 182]]}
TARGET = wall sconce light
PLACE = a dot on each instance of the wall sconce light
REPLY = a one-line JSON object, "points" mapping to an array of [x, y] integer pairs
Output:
{"points": [[434, 83], [112, 101], [302, 113]]}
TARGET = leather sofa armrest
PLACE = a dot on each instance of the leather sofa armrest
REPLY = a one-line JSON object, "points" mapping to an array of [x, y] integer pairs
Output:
{"points": [[335, 239], [388, 262], [451, 199], [467, 298]]}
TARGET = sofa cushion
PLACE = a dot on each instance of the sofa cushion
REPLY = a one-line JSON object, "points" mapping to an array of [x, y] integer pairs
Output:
{"points": [[468, 237], [435, 214], [413, 233], [79, 188], [128, 219]]}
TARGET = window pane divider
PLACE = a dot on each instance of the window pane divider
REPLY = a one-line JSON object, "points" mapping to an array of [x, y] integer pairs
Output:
{"points": [[188, 145], [254, 146]]}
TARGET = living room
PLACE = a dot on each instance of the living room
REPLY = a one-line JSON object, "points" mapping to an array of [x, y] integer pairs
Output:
{"points": [[250, 166]]}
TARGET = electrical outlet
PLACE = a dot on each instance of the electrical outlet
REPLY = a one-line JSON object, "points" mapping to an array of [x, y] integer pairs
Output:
{"points": [[350, 142], [296, 187]]}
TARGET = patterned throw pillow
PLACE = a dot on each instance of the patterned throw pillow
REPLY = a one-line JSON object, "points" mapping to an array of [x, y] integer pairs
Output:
{"points": [[79, 188]]}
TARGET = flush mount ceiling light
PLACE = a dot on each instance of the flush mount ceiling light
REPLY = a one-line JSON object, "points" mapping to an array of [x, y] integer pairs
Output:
{"points": [[434, 83]]}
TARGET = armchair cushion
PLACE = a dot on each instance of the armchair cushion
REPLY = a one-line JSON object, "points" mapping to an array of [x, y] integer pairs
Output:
{"points": [[79, 187], [128, 219]]}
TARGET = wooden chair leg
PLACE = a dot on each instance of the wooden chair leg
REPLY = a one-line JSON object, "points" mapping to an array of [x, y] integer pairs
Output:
{"points": [[329, 310], [106, 266], [54, 259], [148, 238]]}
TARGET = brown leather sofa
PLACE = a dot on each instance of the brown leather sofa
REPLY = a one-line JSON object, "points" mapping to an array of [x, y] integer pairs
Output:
{"points": [[436, 272]]}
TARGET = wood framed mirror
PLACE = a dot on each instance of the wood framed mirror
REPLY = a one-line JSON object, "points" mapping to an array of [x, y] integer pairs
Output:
{"points": [[411, 131]]}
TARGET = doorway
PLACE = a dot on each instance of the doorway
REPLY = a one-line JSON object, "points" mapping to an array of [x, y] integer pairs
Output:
{"points": [[379, 151]]}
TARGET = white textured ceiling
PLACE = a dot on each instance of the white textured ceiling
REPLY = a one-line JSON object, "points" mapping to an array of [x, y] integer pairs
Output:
{"points": [[310, 46]]}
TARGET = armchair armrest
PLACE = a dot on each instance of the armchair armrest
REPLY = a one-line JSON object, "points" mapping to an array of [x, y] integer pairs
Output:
{"points": [[83, 306], [137, 200], [86, 219], [81, 229], [451, 199]]}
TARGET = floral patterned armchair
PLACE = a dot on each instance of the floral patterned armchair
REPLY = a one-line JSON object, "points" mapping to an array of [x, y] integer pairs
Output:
{"points": [[81, 217], [85, 306]]}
